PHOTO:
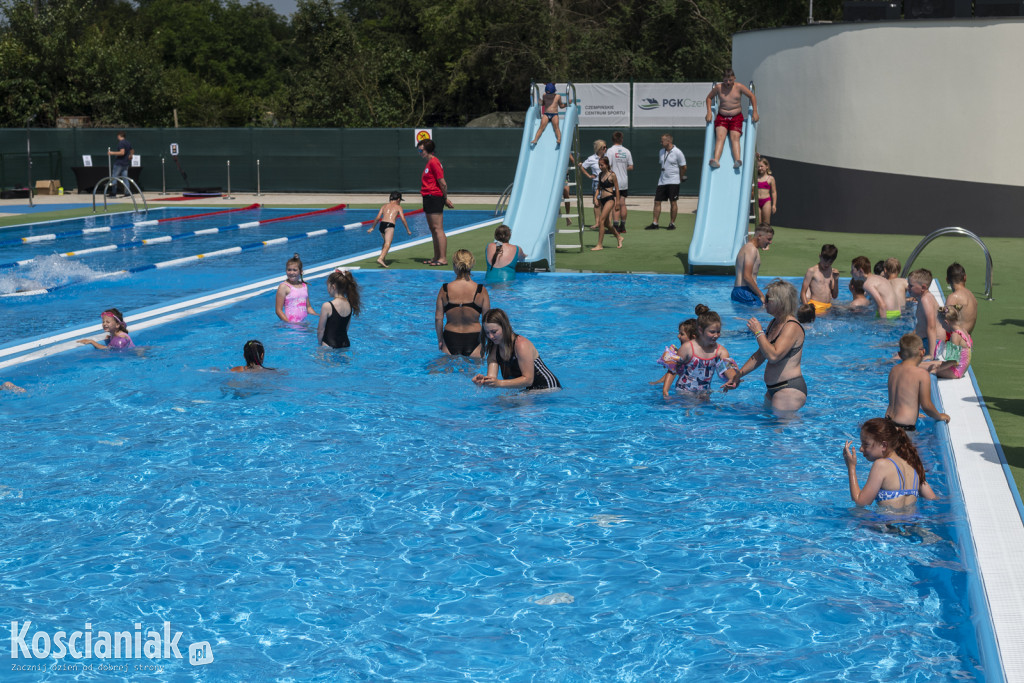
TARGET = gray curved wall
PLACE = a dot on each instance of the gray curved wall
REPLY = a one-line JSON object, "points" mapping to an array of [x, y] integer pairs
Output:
{"points": [[892, 127]]}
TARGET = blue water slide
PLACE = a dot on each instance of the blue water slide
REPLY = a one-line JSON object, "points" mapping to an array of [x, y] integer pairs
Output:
{"points": [[723, 210], [533, 206]]}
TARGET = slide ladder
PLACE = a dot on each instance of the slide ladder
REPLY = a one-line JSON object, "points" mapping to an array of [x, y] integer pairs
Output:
{"points": [[535, 202], [723, 209]]}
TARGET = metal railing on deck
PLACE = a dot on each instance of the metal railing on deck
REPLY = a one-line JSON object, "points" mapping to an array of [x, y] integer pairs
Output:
{"points": [[131, 189], [942, 232]]}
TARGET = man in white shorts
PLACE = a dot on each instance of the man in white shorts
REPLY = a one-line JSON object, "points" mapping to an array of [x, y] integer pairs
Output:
{"points": [[673, 171], [621, 162]]}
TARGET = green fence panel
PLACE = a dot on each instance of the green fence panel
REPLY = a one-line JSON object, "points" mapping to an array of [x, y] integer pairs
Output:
{"points": [[337, 160]]}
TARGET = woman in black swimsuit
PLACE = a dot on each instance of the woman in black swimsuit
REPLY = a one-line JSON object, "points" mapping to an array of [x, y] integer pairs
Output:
{"points": [[336, 314], [607, 197], [782, 346], [513, 354], [461, 302]]}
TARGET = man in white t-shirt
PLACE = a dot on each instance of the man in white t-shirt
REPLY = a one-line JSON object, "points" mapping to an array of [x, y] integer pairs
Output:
{"points": [[621, 162], [673, 171]]}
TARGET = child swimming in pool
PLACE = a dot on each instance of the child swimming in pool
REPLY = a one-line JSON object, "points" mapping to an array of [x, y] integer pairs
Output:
{"points": [[336, 314], [12, 387], [670, 357], [952, 356], [702, 358], [292, 295], [253, 353], [387, 217], [117, 332], [897, 476]]}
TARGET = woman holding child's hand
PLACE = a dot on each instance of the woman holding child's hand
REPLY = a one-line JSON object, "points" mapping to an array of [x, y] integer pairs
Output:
{"points": [[781, 345]]}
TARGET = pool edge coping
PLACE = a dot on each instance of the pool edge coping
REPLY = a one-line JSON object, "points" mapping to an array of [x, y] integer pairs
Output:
{"points": [[987, 491]]}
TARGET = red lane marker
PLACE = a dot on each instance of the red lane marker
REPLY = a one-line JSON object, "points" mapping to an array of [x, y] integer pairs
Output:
{"points": [[212, 213], [339, 207]]}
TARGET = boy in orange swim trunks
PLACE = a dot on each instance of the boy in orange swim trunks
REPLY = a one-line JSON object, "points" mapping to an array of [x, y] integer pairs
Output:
{"points": [[821, 283]]}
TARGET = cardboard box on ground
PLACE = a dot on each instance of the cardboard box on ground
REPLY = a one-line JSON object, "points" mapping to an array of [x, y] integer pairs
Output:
{"points": [[47, 187]]}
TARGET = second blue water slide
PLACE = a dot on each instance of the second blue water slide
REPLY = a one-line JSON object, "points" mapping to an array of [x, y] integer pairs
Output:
{"points": [[723, 210], [533, 206]]}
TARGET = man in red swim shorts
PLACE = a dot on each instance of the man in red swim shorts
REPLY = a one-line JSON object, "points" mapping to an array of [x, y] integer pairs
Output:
{"points": [[730, 115]]}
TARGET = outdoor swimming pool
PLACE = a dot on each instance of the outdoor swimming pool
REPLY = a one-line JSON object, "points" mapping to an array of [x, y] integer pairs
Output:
{"points": [[373, 514]]}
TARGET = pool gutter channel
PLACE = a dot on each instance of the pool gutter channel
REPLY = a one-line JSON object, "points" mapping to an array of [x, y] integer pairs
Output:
{"points": [[993, 544], [994, 525]]}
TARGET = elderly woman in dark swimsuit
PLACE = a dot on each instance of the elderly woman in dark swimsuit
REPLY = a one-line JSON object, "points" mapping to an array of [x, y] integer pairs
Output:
{"points": [[514, 355], [782, 346], [461, 302]]}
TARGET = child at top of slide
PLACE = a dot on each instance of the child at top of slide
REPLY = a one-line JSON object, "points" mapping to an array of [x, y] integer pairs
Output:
{"points": [[292, 303], [730, 115], [551, 102]]}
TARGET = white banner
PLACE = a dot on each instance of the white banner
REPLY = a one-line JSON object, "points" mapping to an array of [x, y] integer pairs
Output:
{"points": [[602, 105], [669, 105]]}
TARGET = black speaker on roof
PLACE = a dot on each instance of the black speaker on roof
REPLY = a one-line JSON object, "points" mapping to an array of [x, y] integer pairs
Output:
{"points": [[999, 8], [870, 10]]}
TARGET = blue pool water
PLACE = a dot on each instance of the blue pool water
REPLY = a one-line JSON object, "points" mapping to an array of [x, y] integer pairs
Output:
{"points": [[83, 286], [371, 514]]}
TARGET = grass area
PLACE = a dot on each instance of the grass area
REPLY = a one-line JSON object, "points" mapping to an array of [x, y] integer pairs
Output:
{"points": [[997, 362]]}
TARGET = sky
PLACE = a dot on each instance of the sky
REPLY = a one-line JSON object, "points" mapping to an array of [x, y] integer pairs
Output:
{"points": [[283, 7]]}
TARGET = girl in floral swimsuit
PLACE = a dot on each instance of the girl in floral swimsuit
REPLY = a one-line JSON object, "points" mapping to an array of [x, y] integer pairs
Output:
{"points": [[700, 359]]}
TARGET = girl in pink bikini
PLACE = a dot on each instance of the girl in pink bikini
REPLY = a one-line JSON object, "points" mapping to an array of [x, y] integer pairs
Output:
{"points": [[292, 294], [701, 358], [767, 194]]}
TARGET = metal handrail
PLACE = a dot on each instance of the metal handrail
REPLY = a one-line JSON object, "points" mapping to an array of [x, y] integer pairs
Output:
{"points": [[128, 183], [942, 232], [502, 205]]}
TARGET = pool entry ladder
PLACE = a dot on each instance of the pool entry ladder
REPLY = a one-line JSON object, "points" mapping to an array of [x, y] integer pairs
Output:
{"points": [[130, 187]]}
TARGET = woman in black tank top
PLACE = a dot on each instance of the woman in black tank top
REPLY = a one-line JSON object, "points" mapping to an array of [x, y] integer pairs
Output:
{"points": [[514, 355]]}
